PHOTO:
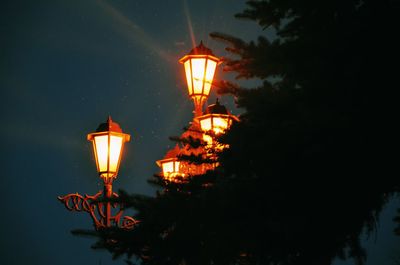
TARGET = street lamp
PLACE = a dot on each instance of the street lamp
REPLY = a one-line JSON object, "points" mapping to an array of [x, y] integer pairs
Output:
{"points": [[215, 121], [175, 169], [108, 142], [200, 64], [170, 165]]}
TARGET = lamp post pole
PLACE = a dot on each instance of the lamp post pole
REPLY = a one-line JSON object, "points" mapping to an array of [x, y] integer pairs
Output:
{"points": [[108, 195]]}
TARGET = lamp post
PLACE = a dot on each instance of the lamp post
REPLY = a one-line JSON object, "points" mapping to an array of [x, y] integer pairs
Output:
{"points": [[108, 142], [200, 64]]}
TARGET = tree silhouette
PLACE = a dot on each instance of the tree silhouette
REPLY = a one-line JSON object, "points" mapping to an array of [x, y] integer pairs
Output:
{"points": [[397, 219], [308, 168]]}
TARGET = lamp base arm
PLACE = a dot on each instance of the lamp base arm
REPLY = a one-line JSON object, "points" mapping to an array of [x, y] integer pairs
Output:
{"points": [[98, 209]]}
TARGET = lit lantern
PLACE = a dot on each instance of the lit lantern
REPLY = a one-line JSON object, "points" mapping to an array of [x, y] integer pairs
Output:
{"points": [[200, 65], [216, 120], [108, 142], [170, 165]]}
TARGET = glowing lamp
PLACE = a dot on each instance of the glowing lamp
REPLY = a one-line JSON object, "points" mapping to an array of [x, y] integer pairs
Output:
{"points": [[108, 142], [200, 64], [216, 121], [170, 165]]}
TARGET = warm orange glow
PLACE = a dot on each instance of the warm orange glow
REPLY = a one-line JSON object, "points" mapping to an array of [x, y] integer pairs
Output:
{"points": [[198, 79], [101, 151], [205, 124], [217, 123], [171, 168], [200, 64], [200, 70], [208, 139], [168, 168], [115, 152], [188, 72], [214, 125], [107, 147], [108, 142], [210, 71], [220, 124]]}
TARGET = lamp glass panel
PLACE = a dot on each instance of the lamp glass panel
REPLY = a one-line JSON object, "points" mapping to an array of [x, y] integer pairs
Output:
{"points": [[211, 65], [205, 124], [168, 167], [198, 68], [115, 152], [220, 124], [188, 72], [101, 143]]}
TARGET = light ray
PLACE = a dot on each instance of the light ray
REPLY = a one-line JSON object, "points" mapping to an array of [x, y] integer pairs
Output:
{"points": [[133, 32], [189, 22]]}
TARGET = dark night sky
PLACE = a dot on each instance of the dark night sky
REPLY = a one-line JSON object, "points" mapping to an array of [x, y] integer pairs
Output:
{"points": [[65, 66]]}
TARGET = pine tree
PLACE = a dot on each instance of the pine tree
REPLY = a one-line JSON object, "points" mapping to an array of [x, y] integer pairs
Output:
{"points": [[308, 167], [318, 120]]}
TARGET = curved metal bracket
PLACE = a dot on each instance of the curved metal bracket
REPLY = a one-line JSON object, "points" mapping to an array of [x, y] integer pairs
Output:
{"points": [[97, 210]]}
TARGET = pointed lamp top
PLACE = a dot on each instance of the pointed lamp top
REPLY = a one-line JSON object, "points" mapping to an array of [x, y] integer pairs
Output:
{"points": [[173, 152], [109, 125], [171, 155], [216, 108], [201, 50]]}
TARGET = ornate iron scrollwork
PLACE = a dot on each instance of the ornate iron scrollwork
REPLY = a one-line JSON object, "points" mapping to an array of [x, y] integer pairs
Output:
{"points": [[97, 209]]}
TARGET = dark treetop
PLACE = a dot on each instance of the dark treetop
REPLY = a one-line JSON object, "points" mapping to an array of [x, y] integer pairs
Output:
{"points": [[308, 167]]}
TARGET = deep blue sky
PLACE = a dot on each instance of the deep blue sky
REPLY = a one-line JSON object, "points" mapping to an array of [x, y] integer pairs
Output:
{"points": [[64, 67]]}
